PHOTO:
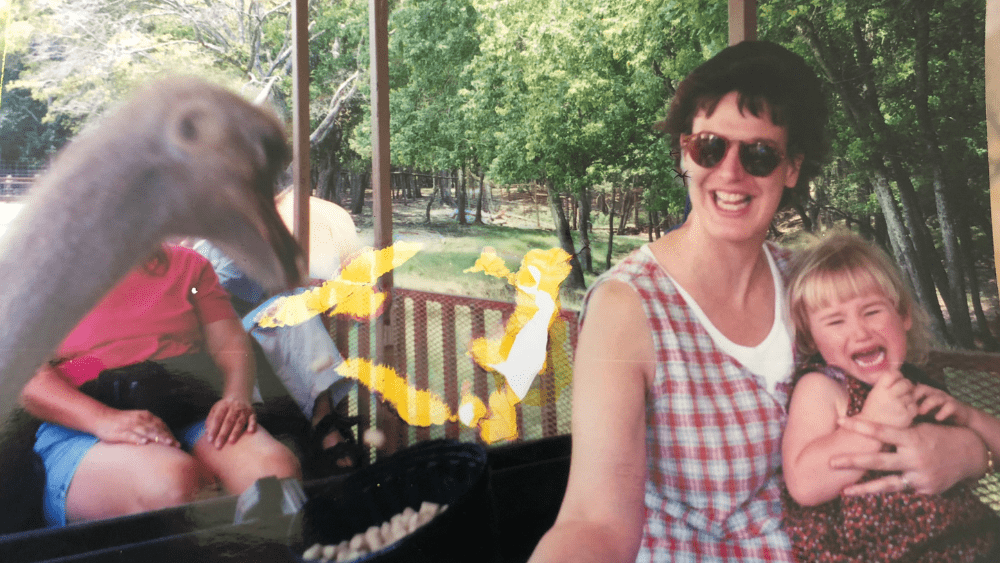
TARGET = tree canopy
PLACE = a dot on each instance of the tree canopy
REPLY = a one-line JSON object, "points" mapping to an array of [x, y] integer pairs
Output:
{"points": [[565, 93]]}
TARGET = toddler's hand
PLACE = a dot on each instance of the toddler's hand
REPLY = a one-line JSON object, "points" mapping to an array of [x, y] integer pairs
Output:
{"points": [[891, 401], [948, 408]]}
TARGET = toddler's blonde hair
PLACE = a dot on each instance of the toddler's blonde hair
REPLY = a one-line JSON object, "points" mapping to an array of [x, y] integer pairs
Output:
{"points": [[840, 266]]}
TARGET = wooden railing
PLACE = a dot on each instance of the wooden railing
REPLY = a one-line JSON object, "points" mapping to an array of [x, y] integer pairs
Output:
{"points": [[431, 334]]}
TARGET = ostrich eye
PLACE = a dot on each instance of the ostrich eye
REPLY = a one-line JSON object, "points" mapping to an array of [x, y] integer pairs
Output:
{"points": [[189, 131]]}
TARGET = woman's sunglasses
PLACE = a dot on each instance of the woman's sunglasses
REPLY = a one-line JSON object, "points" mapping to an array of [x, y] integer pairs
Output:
{"points": [[759, 158]]}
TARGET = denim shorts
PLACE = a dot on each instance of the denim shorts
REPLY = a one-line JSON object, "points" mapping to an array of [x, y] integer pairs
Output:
{"points": [[62, 449]]}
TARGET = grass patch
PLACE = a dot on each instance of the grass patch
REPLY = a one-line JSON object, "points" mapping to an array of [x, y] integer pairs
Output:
{"points": [[450, 249]]}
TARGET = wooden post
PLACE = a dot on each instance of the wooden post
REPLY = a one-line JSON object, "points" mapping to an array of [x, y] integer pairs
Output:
{"points": [[378, 21], [992, 111], [742, 21], [300, 127]]}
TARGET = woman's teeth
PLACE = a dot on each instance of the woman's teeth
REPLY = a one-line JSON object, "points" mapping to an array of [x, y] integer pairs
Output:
{"points": [[730, 201]]}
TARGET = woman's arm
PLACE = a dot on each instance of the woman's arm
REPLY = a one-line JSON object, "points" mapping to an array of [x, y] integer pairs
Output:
{"points": [[932, 457], [231, 416], [51, 397], [947, 408], [602, 514], [812, 437], [988, 428]]}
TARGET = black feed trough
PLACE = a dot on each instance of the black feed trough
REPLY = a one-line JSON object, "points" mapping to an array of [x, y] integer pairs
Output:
{"points": [[500, 502], [442, 472]]}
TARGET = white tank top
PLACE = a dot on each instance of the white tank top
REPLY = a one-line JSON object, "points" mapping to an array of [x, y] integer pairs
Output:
{"points": [[772, 359]]}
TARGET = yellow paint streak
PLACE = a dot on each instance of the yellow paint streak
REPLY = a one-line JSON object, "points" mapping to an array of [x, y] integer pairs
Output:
{"points": [[416, 407], [351, 293]]}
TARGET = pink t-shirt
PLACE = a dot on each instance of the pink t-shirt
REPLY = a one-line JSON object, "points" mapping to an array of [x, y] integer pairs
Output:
{"points": [[147, 316]]}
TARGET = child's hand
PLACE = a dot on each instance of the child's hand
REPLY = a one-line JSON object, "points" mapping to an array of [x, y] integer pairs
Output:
{"points": [[948, 408], [891, 401]]}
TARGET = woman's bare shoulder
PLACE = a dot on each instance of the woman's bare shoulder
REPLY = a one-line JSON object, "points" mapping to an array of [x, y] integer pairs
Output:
{"points": [[615, 333]]}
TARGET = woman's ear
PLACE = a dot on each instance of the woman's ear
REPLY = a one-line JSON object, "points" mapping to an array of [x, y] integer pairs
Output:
{"points": [[792, 174]]}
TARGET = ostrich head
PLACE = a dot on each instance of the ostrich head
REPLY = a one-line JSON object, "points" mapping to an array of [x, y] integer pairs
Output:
{"points": [[182, 158]]}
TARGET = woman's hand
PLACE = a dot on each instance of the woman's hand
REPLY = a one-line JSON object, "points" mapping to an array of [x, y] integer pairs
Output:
{"points": [[231, 416], [931, 458], [133, 427], [229, 419]]}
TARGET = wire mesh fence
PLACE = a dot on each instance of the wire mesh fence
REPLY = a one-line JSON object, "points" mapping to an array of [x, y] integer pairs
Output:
{"points": [[973, 378], [432, 334]]}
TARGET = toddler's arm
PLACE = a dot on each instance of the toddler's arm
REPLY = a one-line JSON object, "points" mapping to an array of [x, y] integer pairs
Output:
{"points": [[892, 401], [812, 435]]}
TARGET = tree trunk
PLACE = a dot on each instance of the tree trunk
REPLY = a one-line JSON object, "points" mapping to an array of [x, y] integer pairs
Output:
{"points": [[337, 186], [903, 250], [635, 210], [491, 204], [446, 185], [965, 245], [956, 302], [463, 195], [575, 278], [626, 211], [611, 229], [479, 201], [430, 200], [325, 172], [358, 189], [586, 257], [862, 109], [926, 263]]}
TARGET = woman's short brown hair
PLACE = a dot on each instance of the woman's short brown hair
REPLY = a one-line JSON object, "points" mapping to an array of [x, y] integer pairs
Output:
{"points": [[767, 78]]}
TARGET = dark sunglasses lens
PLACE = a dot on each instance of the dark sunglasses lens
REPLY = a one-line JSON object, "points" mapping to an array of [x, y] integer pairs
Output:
{"points": [[708, 150], [759, 159]]}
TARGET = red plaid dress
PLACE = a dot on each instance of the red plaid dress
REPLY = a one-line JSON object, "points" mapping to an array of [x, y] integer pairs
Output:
{"points": [[713, 437]]}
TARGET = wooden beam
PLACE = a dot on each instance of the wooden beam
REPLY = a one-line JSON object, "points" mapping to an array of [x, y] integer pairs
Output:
{"points": [[378, 20], [742, 21], [300, 126], [993, 120]]}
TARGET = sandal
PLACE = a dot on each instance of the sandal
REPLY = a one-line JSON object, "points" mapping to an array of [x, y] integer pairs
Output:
{"points": [[323, 462]]}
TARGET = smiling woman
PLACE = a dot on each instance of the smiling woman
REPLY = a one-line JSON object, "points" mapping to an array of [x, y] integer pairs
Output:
{"points": [[685, 352]]}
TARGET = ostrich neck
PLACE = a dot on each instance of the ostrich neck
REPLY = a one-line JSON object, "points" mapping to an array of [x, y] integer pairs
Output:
{"points": [[65, 250]]}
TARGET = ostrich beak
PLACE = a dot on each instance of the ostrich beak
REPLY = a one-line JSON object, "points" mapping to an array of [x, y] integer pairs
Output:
{"points": [[283, 246], [254, 236]]}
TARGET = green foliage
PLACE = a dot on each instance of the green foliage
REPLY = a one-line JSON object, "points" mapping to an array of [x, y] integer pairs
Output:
{"points": [[86, 55], [561, 92], [27, 139], [431, 44]]}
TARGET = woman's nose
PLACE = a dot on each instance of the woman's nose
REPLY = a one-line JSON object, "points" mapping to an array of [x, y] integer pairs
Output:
{"points": [[731, 167]]}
